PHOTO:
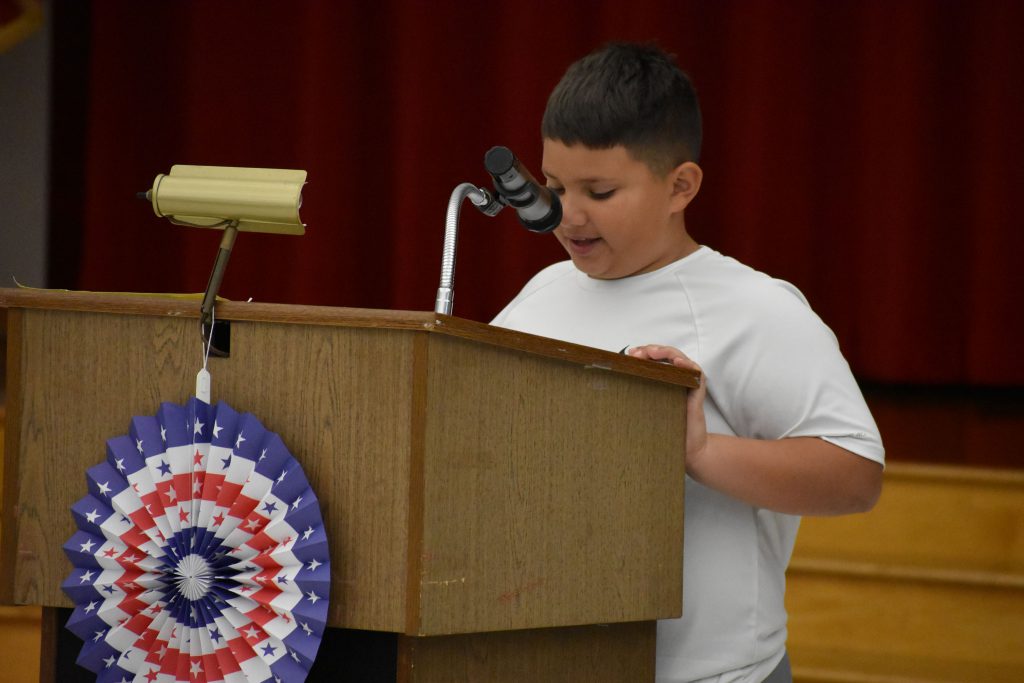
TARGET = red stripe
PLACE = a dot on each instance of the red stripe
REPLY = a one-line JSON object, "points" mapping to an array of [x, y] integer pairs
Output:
{"points": [[242, 506], [226, 663], [261, 541], [132, 606], [241, 649], [142, 519], [229, 492], [261, 615], [213, 484], [153, 652]]}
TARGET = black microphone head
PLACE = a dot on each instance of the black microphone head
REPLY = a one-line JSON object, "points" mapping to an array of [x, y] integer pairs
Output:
{"points": [[499, 160], [538, 208]]}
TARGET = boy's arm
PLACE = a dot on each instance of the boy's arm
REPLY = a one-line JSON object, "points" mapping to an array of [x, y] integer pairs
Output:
{"points": [[800, 475]]}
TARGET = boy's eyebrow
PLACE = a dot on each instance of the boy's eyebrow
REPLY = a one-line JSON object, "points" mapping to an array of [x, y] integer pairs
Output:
{"points": [[594, 179]]}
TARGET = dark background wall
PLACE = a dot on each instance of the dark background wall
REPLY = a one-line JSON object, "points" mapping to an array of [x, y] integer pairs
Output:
{"points": [[867, 151]]}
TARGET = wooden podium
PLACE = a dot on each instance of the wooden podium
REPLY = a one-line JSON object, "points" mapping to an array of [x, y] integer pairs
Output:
{"points": [[508, 506]]}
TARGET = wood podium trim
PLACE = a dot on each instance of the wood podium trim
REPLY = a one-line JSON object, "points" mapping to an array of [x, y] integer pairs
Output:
{"points": [[10, 452], [188, 307], [417, 447], [560, 350]]}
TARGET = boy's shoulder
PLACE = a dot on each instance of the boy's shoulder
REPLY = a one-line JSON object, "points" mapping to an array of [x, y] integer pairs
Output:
{"points": [[718, 275], [705, 273], [706, 280]]}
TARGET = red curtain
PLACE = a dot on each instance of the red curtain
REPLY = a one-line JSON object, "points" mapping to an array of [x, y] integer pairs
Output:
{"points": [[868, 151]]}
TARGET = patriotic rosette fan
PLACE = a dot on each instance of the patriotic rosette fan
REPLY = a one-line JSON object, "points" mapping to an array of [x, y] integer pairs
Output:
{"points": [[200, 554]]}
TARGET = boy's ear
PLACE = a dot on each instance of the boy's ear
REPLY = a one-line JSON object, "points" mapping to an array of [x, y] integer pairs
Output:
{"points": [[686, 178]]}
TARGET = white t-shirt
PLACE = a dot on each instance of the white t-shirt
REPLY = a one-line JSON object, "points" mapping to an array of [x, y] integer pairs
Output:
{"points": [[773, 370]]}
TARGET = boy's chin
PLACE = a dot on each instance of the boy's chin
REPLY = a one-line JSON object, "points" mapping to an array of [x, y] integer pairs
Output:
{"points": [[594, 264], [591, 270]]}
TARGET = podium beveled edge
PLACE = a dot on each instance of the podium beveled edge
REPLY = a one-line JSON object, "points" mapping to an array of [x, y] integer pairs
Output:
{"points": [[428, 321], [552, 348], [187, 306]]}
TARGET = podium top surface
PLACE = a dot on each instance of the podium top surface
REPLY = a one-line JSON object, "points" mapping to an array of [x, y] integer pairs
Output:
{"points": [[420, 321]]}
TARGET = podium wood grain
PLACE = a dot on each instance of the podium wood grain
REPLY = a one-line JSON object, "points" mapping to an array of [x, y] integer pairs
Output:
{"points": [[471, 479], [534, 513], [96, 370]]}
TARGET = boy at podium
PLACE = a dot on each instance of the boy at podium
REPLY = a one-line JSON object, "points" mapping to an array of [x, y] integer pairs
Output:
{"points": [[778, 428]]}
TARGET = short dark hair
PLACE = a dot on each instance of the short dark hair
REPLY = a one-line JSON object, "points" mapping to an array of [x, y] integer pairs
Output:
{"points": [[632, 95]]}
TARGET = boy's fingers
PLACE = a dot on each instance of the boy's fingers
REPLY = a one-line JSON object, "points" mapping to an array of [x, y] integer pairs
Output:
{"points": [[665, 354], [662, 352], [673, 356], [652, 351]]}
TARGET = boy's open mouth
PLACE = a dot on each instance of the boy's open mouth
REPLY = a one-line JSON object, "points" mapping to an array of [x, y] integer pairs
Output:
{"points": [[582, 246]]}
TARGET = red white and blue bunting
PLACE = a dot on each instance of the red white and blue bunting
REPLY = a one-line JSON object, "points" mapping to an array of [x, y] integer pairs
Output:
{"points": [[200, 554]]}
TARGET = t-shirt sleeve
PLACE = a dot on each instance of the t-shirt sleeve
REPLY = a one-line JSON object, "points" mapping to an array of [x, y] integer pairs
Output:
{"points": [[780, 373]]}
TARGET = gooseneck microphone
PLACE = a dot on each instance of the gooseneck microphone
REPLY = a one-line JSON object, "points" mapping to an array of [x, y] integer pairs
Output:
{"points": [[538, 207]]}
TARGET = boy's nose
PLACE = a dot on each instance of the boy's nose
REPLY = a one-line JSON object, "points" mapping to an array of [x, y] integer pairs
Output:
{"points": [[572, 214]]}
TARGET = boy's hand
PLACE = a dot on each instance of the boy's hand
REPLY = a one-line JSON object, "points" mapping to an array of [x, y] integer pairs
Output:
{"points": [[797, 476], [696, 426]]}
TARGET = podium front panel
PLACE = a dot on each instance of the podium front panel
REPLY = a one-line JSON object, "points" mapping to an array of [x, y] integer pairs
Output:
{"points": [[337, 396], [553, 494], [467, 483]]}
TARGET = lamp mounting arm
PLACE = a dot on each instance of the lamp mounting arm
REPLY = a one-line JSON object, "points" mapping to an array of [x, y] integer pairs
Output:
{"points": [[227, 242]]}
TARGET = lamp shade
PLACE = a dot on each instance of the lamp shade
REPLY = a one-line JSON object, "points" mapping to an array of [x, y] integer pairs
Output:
{"points": [[257, 199]]}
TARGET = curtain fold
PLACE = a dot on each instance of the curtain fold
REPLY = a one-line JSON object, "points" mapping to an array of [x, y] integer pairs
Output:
{"points": [[869, 152]]}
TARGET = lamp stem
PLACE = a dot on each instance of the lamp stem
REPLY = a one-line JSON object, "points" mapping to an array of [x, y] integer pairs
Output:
{"points": [[227, 241]]}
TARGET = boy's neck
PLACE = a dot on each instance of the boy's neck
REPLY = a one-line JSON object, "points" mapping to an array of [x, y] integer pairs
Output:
{"points": [[689, 245], [686, 244]]}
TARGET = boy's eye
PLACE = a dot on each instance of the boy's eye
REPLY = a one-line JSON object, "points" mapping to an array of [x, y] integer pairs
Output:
{"points": [[557, 190], [602, 195]]}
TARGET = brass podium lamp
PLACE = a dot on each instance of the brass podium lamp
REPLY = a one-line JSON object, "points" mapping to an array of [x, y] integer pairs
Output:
{"points": [[234, 199]]}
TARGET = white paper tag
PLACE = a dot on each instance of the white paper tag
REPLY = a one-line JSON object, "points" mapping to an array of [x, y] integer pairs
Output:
{"points": [[203, 386]]}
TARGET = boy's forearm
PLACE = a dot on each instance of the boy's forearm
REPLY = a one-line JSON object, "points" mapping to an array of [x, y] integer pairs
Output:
{"points": [[801, 476]]}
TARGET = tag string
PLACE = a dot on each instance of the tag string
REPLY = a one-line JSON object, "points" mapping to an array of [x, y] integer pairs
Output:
{"points": [[203, 394], [203, 376], [209, 339]]}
